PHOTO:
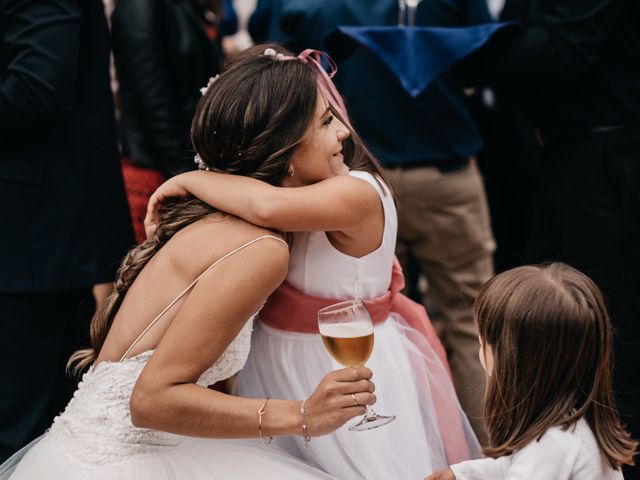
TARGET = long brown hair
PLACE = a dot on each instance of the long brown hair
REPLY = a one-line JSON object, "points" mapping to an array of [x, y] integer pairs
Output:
{"points": [[249, 122], [551, 339], [236, 131]]}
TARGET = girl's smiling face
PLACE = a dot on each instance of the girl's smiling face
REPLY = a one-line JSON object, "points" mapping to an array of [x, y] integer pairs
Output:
{"points": [[319, 155]]}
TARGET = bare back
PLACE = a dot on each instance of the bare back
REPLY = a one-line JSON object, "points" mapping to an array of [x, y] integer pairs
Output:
{"points": [[186, 256]]}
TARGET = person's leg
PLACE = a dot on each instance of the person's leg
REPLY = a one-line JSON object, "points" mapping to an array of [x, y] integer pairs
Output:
{"points": [[591, 203], [448, 218], [405, 235], [38, 333]]}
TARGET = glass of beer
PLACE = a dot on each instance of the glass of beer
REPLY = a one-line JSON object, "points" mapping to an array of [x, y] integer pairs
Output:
{"points": [[347, 333]]}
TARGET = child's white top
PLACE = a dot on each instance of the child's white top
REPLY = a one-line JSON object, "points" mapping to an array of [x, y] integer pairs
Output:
{"points": [[558, 455]]}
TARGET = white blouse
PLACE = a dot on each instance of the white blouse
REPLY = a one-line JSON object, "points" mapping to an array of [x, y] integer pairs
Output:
{"points": [[559, 455]]}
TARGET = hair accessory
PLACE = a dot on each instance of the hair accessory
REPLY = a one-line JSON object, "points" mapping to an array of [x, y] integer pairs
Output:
{"points": [[278, 56], [315, 58], [200, 163], [303, 426], [204, 90], [261, 411]]}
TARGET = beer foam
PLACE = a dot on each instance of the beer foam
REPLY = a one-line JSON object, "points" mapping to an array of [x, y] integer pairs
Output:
{"points": [[359, 328]]}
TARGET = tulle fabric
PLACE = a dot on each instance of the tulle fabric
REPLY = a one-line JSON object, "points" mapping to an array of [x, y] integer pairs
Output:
{"points": [[194, 459], [411, 382]]}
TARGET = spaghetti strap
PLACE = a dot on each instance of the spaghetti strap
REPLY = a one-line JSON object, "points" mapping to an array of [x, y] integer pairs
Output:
{"points": [[173, 302]]}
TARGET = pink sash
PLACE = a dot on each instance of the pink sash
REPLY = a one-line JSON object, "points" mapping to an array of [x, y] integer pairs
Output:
{"points": [[277, 312], [291, 310]]}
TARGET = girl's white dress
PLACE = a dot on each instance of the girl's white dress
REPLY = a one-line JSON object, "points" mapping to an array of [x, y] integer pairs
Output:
{"points": [[94, 439], [571, 454], [285, 364]]}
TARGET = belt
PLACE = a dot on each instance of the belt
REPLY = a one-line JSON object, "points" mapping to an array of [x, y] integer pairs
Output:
{"points": [[546, 137], [452, 164]]}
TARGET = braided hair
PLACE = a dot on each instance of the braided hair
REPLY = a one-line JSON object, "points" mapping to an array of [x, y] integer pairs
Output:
{"points": [[248, 122]]}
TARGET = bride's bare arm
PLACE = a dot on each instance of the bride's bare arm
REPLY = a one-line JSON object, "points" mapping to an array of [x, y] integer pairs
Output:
{"points": [[342, 203], [166, 396]]}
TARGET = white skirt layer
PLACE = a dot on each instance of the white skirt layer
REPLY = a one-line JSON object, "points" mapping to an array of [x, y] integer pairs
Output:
{"points": [[195, 459], [410, 381]]}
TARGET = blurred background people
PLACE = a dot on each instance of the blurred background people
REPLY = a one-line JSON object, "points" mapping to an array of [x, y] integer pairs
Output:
{"points": [[66, 222], [574, 70], [509, 162], [165, 51], [427, 145], [235, 18]]}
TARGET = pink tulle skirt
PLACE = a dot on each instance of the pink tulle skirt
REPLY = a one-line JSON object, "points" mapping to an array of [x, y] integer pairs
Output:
{"points": [[430, 431]]}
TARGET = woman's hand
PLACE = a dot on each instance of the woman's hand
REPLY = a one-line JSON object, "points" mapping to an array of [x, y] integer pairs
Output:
{"points": [[174, 187], [331, 405], [446, 474]]}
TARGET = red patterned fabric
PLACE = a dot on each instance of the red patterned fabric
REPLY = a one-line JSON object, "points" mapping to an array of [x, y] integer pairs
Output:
{"points": [[139, 183]]}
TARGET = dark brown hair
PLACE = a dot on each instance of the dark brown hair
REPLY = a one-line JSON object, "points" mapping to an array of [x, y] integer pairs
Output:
{"points": [[248, 123], [264, 125], [551, 340]]}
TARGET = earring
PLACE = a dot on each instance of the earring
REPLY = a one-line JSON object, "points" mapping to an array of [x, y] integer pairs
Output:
{"points": [[290, 172]]}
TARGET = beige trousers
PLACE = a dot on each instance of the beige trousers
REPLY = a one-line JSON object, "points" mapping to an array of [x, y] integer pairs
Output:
{"points": [[443, 222]]}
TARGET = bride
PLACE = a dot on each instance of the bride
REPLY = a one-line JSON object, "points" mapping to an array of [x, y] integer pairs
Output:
{"points": [[344, 225], [180, 319]]}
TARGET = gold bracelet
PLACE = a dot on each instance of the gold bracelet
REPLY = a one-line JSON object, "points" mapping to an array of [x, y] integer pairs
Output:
{"points": [[303, 425], [261, 412]]}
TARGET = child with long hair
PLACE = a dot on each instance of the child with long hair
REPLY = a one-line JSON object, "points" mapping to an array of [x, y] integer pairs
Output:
{"points": [[546, 345]]}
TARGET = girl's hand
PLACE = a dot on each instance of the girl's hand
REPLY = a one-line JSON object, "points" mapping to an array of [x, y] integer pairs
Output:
{"points": [[446, 474], [174, 187], [331, 405]]}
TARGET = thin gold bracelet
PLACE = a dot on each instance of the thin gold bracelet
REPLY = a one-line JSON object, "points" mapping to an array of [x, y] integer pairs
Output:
{"points": [[303, 425], [262, 411]]}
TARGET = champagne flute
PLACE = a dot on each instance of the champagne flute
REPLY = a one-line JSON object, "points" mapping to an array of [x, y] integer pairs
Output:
{"points": [[347, 333]]}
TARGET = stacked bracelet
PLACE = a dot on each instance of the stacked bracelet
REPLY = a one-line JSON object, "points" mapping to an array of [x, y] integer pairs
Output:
{"points": [[261, 412], [303, 425]]}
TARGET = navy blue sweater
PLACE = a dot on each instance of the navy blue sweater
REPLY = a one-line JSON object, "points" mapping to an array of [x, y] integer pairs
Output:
{"points": [[434, 128]]}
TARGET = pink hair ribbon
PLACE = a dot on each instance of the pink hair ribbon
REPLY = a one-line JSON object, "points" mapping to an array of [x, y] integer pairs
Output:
{"points": [[315, 59]]}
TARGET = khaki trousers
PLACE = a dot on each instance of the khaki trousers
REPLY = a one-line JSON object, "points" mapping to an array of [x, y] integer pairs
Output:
{"points": [[443, 222]]}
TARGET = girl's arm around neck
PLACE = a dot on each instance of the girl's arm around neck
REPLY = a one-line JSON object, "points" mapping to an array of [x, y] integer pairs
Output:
{"points": [[342, 203]]}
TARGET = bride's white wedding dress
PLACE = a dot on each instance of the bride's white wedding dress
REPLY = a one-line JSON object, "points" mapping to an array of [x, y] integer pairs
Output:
{"points": [[95, 439]]}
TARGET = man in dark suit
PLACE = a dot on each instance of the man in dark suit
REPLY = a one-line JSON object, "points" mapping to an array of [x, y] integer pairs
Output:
{"points": [[63, 209], [575, 69]]}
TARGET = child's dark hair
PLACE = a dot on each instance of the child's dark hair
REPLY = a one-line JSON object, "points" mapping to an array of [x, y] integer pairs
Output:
{"points": [[551, 340]]}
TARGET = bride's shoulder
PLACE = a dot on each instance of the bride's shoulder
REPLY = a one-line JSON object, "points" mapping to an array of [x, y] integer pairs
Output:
{"points": [[212, 238]]}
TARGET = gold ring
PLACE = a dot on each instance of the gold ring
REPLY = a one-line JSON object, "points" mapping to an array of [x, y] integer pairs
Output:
{"points": [[353, 397]]}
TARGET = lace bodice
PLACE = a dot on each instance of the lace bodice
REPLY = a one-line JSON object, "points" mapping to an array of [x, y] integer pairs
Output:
{"points": [[96, 427]]}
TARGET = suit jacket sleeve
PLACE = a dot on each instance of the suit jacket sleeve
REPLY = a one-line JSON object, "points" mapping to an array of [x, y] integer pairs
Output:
{"points": [[41, 39], [143, 63], [565, 41]]}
